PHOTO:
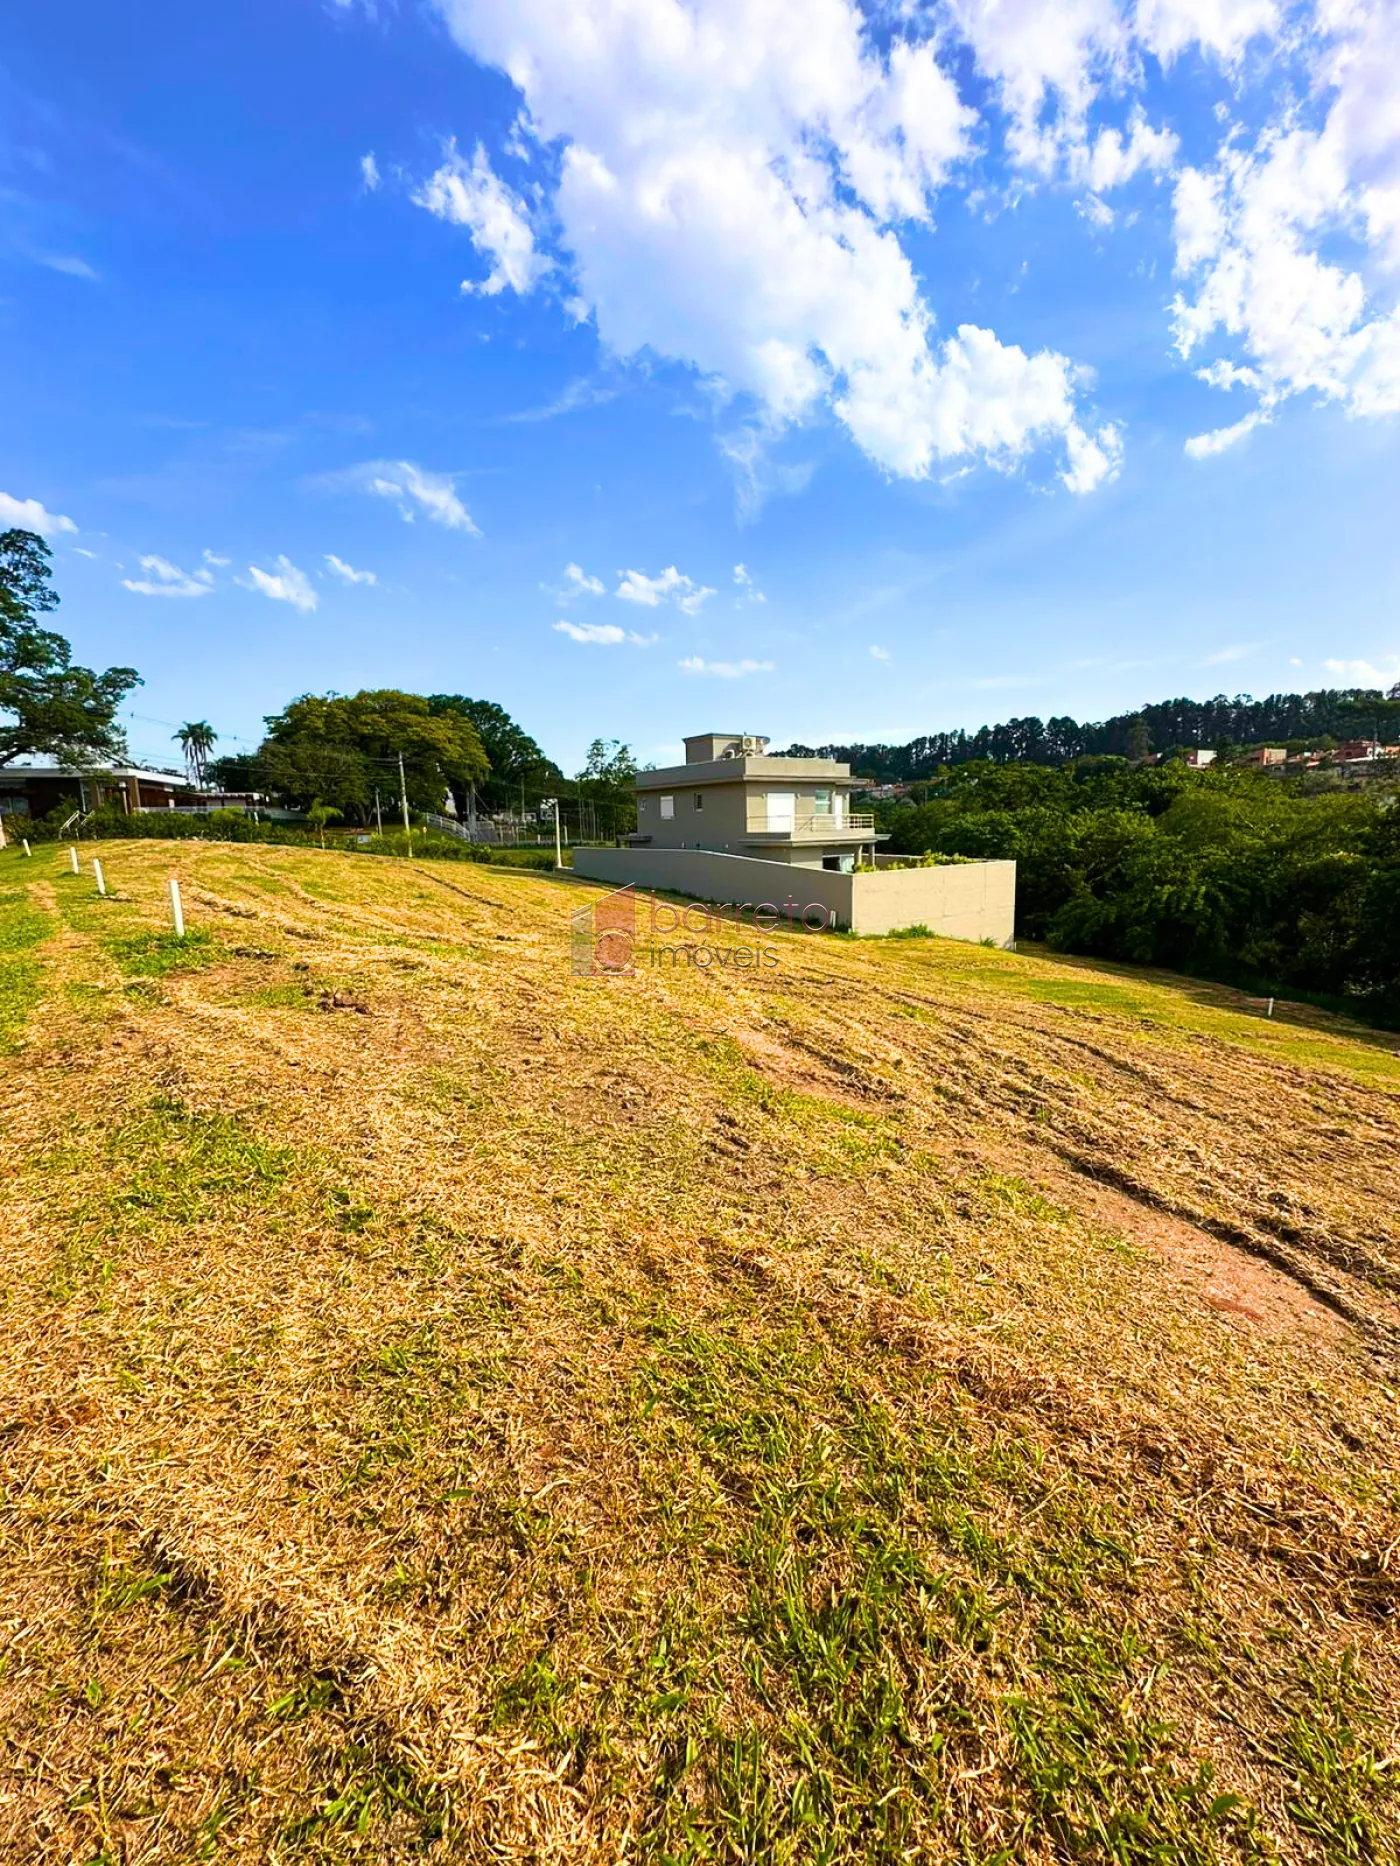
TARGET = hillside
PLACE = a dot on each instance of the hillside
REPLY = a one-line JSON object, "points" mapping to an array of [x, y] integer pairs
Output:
{"points": [[912, 1402], [1160, 726]]}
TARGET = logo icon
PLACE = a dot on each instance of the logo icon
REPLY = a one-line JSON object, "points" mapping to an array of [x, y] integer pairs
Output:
{"points": [[603, 936]]}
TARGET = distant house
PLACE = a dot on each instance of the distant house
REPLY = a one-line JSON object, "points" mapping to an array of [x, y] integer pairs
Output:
{"points": [[36, 789], [1198, 759], [772, 836], [1364, 751], [731, 798], [1265, 756]]}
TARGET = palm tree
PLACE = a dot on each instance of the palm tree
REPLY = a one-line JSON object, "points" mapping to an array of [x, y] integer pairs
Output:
{"points": [[197, 737]]}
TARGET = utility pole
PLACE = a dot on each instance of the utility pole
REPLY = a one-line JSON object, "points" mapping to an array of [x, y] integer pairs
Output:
{"points": [[378, 813], [558, 852], [403, 799]]}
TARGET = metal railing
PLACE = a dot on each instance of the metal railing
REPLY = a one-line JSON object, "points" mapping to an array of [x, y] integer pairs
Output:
{"points": [[810, 823]]}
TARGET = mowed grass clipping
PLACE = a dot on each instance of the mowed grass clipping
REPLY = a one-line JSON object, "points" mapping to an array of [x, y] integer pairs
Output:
{"points": [[910, 1404]]}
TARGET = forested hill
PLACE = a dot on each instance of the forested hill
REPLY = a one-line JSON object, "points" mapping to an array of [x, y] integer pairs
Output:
{"points": [[1338, 712]]}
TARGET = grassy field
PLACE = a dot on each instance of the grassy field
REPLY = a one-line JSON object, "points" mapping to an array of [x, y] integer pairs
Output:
{"points": [[912, 1403]]}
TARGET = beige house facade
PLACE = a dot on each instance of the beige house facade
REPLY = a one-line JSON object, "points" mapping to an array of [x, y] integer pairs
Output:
{"points": [[731, 798]]}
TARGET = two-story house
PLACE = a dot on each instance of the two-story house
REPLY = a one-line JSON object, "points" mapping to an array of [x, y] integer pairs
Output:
{"points": [[731, 798]]}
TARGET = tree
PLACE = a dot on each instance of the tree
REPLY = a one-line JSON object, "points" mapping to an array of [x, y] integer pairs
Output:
{"points": [[608, 782], [319, 815], [337, 749], [53, 706], [517, 763], [197, 739]]}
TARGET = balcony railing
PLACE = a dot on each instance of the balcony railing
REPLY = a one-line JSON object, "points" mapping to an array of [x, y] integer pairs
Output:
{"points": [[809, 823]]}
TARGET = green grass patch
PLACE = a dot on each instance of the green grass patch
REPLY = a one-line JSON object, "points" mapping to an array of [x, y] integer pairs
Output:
{"points": [[22, 928], [155, 955]]}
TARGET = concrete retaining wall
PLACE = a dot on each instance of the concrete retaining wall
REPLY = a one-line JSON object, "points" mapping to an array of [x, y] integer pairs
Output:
{"points": [[972, 900]]}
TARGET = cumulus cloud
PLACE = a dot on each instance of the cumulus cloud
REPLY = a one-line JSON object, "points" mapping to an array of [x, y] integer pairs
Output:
{"points": [[732, 185], [472, 195], [725, 670], [602, 634], [1261, 234], [412, 488], [30, 515], [167, 579], [284, 584], [670, 586], [369, 172], [577, 582], [347, 573]]}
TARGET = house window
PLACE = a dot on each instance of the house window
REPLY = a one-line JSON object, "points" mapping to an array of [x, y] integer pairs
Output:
{"points": [[668, 809], [781, 809], [821, 803], [699, 800]]}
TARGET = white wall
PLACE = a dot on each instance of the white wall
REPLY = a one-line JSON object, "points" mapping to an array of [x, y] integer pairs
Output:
{"points": [[972, 900]]}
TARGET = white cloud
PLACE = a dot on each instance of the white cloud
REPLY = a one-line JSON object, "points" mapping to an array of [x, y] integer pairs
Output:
{"points": [[1224, 27], [285, 584], [732, 181], [369, 172], [1048, 63], [30, 515], [725, 670], [1202, 446], [1262, 234], [167, 579], [474, 197], [347, 573], [80, 551], [670, 586], [71, 265], [218, 563], [731, 187], [577, 582], [602, 634], [881, 654], [412, 488], [1365, 673], [750, 590], [1237, 651]]}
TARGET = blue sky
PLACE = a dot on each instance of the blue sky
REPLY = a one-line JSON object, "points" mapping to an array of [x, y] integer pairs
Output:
{"points": [[875, 371]]}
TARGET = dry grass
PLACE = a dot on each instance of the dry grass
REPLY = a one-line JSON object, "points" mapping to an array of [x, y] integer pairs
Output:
{"points": [[914, 1403]]}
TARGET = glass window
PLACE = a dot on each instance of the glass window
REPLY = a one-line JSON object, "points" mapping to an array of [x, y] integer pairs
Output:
{"points": [[821, 803], [699, 800], [668, 809]]}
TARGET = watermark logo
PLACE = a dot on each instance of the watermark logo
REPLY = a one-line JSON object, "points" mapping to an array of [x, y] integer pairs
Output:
{"points": [[603, 935], [627, 929]]}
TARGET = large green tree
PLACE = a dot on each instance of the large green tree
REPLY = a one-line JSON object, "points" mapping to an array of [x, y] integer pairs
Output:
{"points": [[47, 704], [519, 769], [338, 749]]}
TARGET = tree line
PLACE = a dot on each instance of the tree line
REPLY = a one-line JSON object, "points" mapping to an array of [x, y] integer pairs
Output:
{"points": [[1221, 873], [1163, 727]]}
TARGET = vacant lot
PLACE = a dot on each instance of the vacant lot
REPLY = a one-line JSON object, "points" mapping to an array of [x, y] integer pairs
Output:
{"points": [[912, 1403]]}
